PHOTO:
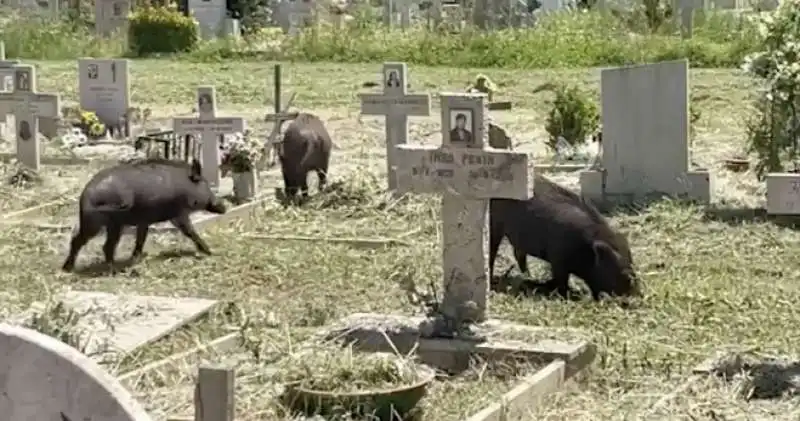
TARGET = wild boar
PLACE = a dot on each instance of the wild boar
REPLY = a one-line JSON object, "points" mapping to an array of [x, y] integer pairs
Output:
{"points": [[306, 147], [559, 227], [141, 193], [499, 138]]}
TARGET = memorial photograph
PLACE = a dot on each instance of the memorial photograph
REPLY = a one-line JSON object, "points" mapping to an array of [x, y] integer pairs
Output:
{"points": [[23, 81], [461, 127], [393, 79], [205, 103]]}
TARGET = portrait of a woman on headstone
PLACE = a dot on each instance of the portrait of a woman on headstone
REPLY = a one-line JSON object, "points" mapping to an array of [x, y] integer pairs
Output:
{"points": [[461, 127], [393, 79], [205, 103], [24, 130]]}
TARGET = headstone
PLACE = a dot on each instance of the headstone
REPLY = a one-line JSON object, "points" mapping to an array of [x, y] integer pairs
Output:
{"points": [[467, 175], [783, 194], [104, 87], [46, 379], [295, 14], [28, 106], [210, 14], [111, 15], [687, 16], [396, 104], [645, 152], [391, 8], [210, 127]]}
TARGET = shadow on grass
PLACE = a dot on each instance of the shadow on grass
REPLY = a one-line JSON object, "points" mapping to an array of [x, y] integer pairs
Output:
{"points": [[100, 268], [523, 286]]}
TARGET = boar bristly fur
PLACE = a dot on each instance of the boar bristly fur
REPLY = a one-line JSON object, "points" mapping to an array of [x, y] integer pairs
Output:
{"points": [[306, 147], [559, 227], [140, 194]]}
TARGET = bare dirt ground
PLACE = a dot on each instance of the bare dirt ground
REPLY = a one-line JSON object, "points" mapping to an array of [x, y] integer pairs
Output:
{"points": [[711, 280]]}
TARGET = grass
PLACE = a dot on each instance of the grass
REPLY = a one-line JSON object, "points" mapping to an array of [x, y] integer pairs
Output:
{"points": [[560, 39], [710, 280]]}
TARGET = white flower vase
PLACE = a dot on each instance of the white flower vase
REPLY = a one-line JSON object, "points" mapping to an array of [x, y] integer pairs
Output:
{"points": [[245, 185]]}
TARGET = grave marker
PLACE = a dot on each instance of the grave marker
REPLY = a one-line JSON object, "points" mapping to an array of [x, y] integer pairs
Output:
{"points": [[6, 85], [210, 127], [104, 87], [645, 110], [467, 176], [46, 379], [295, 14], [210, 14], [783, 194], [111, 15], [28, 106], [278, 117], [396, 105]]}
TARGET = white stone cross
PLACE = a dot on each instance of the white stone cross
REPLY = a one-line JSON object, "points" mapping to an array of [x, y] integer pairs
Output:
{"points": [[396, 104], [467, 173], [28, 106], [210, 127], [6, 84]]}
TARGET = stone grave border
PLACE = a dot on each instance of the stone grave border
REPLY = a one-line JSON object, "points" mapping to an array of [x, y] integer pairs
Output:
{"points": [[560, 362]]}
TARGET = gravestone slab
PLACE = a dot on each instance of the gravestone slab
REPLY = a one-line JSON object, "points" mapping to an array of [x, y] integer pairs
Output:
{"points": [[210, 127], [120, 324], [45, 379], [111, 15], [27, 106], [467, 176], [104, 87], [396, 105], [645, 111], [783, 194], [210, 14]]}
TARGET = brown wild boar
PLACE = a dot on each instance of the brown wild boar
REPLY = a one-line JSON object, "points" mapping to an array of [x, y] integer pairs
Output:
{"points": [[559, 227], [306, 147]]}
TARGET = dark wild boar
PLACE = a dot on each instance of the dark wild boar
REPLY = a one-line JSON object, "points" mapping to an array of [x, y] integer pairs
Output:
{"points": [[559, 227], [499, 138], [306, 147], [142, 193]]}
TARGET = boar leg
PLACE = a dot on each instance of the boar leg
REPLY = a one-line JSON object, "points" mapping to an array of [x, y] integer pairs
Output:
{"points": [[322, 176], [113, 234], [184, 224], [86, 231], [522, 260], [560, 281], [494, 245], [304, 186], [141, 238]]}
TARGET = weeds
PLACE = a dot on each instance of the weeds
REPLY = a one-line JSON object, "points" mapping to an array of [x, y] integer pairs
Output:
{"points": [[562, 39]]}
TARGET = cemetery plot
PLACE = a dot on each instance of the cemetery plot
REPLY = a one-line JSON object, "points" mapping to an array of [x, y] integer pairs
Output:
{"points": [[736, 386], [108, 326]]}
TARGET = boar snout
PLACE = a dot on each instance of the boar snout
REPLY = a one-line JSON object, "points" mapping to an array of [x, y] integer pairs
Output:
{"points": [[217, 206]]}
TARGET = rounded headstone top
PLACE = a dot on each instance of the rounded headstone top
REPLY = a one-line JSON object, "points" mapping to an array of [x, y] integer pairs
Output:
{"points": [[45, 379]]}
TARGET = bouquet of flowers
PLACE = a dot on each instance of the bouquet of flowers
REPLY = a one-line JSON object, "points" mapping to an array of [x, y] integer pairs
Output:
{"points": [[241, 151]]}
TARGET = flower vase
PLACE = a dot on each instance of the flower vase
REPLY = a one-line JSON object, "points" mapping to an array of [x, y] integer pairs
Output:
{"points": [[245, 185]]}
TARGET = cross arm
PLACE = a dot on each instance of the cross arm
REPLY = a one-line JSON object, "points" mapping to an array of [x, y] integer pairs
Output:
{"points": [[472, 173], [416, 105]]}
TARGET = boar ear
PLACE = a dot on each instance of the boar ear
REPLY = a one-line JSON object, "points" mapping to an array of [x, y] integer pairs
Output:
{"points": [[602, 251], [197, 171]]}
